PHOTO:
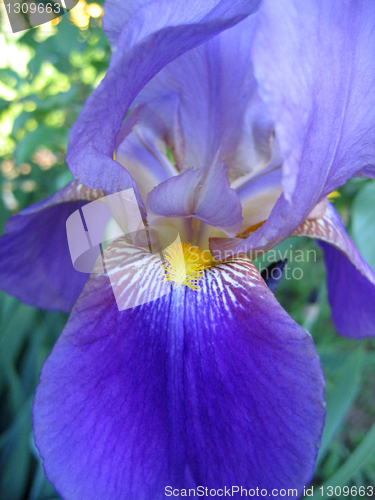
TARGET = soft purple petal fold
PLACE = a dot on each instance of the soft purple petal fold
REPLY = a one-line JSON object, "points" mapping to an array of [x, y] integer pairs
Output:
{"points": [[314, 62], [217, 387], [208, 99], [35, 263], [368, 171], [142, 150], [117, 13], [351, 295], [350, 280], [204, 193], [151, 38], [222, 248], [258, 195]]}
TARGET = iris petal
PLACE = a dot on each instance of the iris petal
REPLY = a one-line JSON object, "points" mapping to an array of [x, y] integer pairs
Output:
{"points": [[258, 196], [350, 280], [142, 151], [208, 99], [351, 295], [204, 193], [35, 263], [154, 36], [217, 387], [117, 13], [316, 71]]}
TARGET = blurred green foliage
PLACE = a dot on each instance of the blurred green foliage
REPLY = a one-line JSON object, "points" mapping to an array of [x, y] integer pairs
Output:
{"points": [[46, 74], [45, 77]]}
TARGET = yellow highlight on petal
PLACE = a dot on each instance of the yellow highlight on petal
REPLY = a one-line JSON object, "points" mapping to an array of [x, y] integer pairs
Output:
{"points": [[333, 195], [250, 230], [186, 264]]}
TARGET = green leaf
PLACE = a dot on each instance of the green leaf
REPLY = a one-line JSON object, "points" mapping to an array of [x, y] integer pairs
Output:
{"points": [[41, 489], [15, 456], [340, 398], [363, 222], [20, 121], [66, 39], [14, 331], [30, 142], [362, 456]]}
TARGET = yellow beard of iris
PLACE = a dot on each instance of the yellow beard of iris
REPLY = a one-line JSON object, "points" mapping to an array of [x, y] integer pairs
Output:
{"points": [[186, 264]]}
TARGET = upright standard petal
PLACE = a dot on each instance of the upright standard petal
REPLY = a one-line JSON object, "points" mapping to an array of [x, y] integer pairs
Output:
{"points": [[258, 195], [154, 36], [35, 263], [208, 99], [315, 65], [117, 14], [212, 388], [350, 280], [141, 149]]}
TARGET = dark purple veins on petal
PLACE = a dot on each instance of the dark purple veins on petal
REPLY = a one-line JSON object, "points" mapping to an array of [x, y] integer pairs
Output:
{"points": [[212, 388]]}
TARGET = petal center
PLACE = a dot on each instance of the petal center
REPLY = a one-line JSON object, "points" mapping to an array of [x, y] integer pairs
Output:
{"points": [[186, 264]]}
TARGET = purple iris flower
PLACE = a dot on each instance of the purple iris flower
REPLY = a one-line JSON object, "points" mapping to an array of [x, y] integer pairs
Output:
{"points": [[244, 116]]}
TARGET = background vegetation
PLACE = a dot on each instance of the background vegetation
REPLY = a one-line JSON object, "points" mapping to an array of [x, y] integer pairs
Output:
{"points": [[46, 74]]}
